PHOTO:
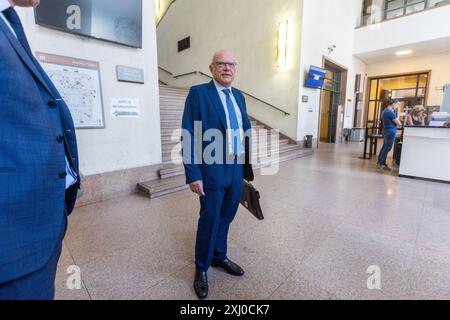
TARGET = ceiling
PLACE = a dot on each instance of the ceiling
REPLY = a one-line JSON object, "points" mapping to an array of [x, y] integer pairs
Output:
{"points": [[424, 48]]}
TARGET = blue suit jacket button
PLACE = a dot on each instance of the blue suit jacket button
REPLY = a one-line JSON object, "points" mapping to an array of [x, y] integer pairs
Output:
{"points": [[51, 104], [63, 175]]}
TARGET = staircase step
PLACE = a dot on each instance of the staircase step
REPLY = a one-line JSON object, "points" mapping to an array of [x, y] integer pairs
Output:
{"points": [[167, 133], [175, 105], [166, 139], [170, 139], [289, 156], [173, 89], [171, 114], [172, 102], [169, 90], [172, 179], [167, 154], [171, 171], [168, 144], [171, 124], [158, 188], [172, 97], [282, 151], [172, 107], [288, 147]]}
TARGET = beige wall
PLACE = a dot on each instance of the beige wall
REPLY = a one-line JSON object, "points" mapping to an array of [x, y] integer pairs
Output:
{"points": [[438, 64], [248, 28]]}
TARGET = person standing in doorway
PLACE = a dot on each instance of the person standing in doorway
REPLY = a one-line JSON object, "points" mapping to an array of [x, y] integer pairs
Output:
{"points": [[39, 177], [219, 107], [390, 123]]}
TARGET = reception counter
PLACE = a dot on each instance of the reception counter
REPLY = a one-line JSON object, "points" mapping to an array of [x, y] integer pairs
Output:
{"points": [[426, 153]]}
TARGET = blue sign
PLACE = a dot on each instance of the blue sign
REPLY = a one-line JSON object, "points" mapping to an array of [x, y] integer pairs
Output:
{"points": [[316, 78]]}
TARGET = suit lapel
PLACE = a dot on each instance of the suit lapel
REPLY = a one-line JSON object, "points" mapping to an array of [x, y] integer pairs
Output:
{"points": [[22, 53], [240, 103], [217, 104]]}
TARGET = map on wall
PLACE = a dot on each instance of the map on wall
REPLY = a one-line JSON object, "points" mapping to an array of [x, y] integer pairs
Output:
{"points": [[78, 82]]}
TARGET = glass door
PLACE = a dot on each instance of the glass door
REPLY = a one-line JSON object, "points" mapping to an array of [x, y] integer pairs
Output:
{"points": [[410, 90], [331, 97]]}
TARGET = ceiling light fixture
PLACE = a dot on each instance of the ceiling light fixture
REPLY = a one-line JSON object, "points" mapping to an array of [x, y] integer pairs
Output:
{"points": [[403, 53]]}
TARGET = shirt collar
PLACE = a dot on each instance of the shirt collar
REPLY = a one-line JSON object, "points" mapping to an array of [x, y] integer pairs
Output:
{"points": [[220, 87], [4, 4]]}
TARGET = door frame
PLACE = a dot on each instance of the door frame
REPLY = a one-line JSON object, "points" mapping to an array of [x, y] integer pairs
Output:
{"points": [[387, 76], [326, 61]]}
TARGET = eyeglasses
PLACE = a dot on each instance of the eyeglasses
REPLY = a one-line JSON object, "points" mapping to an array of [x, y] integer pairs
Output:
{"points": [[223, 64]]}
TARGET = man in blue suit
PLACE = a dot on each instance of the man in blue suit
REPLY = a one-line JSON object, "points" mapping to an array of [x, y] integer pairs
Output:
{"points": [[38, 166], [218, 110]]}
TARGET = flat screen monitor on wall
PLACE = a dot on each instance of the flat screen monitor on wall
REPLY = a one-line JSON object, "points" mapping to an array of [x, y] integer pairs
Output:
{"points": [[115, 21], [315, 78]]}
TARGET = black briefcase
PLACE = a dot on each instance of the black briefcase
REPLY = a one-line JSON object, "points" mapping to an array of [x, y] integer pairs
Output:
{"points": [[250, 200]]}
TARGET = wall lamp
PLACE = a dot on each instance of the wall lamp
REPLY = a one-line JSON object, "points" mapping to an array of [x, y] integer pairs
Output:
{"points": [[158, 8], [282, 43]]}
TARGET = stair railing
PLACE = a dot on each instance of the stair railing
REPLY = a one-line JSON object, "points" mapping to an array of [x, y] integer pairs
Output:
{"points": [[244, 92]]}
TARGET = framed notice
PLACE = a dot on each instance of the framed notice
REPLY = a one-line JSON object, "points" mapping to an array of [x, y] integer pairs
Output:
{"points": [[78, 82]]}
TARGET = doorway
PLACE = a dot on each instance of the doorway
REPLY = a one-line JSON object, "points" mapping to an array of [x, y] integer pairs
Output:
{"points": [[409, 89], [331, 102]]}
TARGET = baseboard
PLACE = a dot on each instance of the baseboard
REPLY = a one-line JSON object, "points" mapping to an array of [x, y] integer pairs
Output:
{"points": [[106, 186]]}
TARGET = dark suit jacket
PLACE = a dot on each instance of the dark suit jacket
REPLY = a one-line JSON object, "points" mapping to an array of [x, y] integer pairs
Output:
{"points": [[203, 104], [36, 132]]}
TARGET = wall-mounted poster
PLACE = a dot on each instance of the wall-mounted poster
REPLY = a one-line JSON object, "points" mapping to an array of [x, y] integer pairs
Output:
{"points": [[78, 82]]}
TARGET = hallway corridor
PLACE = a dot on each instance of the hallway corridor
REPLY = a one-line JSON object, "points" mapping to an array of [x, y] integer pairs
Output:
{"points": [[329, 218]]}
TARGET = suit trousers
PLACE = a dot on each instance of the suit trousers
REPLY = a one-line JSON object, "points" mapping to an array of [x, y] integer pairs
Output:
{"points": [[217, 210], [38, 285]]}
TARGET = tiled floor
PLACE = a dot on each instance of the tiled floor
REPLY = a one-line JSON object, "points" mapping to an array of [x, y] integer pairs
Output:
{"points": [[328, 219]]}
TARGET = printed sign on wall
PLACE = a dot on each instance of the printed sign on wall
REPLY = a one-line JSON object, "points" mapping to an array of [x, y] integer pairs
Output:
{"points": [[78, 82], [125, 108]]}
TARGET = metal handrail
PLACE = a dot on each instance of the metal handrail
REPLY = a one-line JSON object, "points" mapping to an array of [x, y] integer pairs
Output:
{"points": [[193, 72], [165, 70], [246, 93], [165, 12]]}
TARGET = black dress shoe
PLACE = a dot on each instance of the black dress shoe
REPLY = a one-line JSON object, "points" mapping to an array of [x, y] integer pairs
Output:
{"points": [[229, 266], [201, 283]]}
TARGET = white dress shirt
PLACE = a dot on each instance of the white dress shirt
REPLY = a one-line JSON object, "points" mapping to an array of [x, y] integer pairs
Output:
{"points": [[71, 177], [4, 4], [223, 98]]}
